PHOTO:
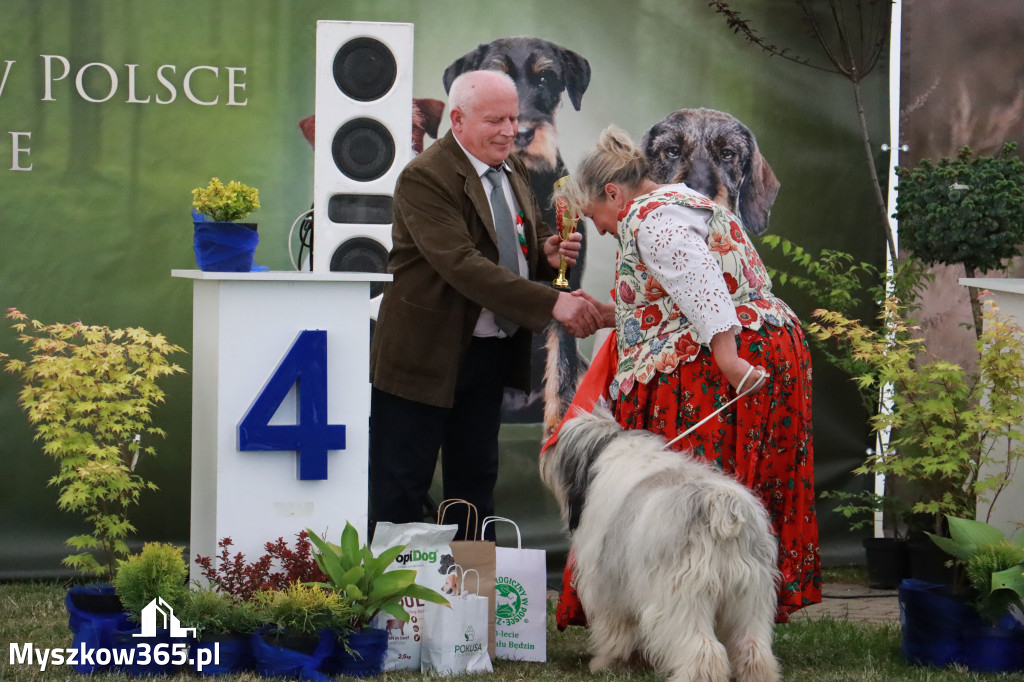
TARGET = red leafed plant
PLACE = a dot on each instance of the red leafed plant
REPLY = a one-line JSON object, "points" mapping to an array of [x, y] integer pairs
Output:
{"points": [[279, 567]]}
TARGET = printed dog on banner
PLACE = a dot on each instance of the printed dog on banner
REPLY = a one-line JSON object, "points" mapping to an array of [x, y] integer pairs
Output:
{"points": [[520, 586]]}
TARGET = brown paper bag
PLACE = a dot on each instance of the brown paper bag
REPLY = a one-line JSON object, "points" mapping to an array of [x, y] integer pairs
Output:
{"points": [[476, 553]]}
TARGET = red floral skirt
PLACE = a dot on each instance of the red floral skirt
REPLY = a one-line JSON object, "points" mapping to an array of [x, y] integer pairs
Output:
{"points": [[764, 441]]}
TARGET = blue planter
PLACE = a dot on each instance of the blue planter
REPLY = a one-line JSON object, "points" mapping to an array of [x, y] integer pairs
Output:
{"points": [[95, 614], [224, 247], [369, 649], [280, 659], [940, 630], [233, 654]]}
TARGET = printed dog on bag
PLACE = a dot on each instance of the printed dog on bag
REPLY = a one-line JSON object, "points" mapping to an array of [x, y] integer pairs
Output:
{"points": [[675, 561]]}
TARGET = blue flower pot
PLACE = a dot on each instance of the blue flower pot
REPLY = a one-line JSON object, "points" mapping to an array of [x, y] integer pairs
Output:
{"points": [[369, 649], [224, 247]]}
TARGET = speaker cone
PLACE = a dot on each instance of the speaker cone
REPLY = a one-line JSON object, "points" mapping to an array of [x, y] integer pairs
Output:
{"points": [[363, 149], [365, 69], [362, 254]]}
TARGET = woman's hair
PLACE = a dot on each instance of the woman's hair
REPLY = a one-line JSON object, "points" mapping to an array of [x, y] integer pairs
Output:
{"points": [[614, 159]]}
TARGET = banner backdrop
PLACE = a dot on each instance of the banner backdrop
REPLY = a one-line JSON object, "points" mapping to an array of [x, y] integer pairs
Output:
{"points": [[111, 111]]}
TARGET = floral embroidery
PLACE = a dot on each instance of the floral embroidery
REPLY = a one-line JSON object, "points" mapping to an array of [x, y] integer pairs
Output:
{"points": [[720, 243], [650, 317], [655, 335], [730, 283]]}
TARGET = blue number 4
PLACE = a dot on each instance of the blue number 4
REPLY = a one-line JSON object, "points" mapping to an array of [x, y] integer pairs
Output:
{"points": [[305, 365]]}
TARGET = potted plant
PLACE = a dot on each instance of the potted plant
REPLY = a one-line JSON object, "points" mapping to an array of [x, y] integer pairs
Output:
{"points": [[969, 623], [354, 571], [222, 243], [223, 625], [943, 423], [155, 578], [887, 557], [89, 392], [303, 626]]}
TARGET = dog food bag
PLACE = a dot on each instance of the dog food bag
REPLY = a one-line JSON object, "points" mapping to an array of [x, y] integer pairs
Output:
{"points": [[428, 551]]}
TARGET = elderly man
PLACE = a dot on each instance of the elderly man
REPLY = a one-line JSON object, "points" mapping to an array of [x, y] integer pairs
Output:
{"points": [[454, 325]]}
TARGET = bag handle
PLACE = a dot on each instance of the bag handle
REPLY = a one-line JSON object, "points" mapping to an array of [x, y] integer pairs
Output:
{"points": [[465, 572], [761, 376], [472, 519], [495, 519]]}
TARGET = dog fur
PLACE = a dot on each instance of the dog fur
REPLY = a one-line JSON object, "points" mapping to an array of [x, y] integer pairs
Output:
{"points": [[716, 155], [675, 562], [542, 71]]}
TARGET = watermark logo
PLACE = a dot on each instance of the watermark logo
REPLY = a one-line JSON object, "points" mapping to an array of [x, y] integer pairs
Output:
{"points": [[157, 620], [158, 614], [512, 601]]}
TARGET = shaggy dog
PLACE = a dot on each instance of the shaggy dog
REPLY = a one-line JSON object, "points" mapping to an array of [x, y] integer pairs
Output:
{"points": [[716, 155], [675, 562]]}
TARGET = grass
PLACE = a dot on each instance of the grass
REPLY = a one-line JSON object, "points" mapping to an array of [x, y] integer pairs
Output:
{"points": [[809, 651]]}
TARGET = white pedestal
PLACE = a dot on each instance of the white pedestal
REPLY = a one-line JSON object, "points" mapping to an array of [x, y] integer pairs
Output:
{"points": [[244, 324], [1009, 508]]}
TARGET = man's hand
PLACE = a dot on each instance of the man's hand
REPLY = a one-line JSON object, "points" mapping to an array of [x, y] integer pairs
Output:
{"points": [[607, 310], [578, 315], [555, 246]]}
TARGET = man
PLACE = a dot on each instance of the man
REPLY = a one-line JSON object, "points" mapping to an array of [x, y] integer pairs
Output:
{"points": [[454, 325]]}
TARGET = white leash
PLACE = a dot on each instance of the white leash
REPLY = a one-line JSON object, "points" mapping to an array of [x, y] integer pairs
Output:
{"points": [[760, 378]]}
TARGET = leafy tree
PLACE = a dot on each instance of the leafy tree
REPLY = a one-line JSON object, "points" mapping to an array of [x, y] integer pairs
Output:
{"points": [[89, 390], [853, 35], [965, 210]]}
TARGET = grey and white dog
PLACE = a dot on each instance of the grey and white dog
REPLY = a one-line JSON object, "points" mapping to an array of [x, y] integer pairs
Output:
{"points": [[676, 562]]}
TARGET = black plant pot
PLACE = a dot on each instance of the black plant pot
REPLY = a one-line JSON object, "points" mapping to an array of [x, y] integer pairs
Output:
{"points": [[928, 563], [888, 562]]}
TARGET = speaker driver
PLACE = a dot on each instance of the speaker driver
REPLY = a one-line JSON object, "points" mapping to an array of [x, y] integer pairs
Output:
{"points": [[365, 69], [363, 149], [362, 254]]}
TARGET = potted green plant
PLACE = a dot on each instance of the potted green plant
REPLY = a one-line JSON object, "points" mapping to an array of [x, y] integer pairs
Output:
{"points": [[969, 623], [223, 625], [153, 579], [944, 423], [222, 243], [366, 582], [89, 391], [304, 624]]}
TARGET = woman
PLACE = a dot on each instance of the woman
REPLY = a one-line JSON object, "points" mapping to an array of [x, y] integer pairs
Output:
{"points": [[696, 322]]}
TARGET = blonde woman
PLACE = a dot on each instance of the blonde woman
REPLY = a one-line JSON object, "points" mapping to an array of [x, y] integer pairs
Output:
{"points": [[695, 323]]}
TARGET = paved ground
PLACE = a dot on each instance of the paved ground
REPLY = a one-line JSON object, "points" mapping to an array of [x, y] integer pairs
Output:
{"points": [[853, 602]]}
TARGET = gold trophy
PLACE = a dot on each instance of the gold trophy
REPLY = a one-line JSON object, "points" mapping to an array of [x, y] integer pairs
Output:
{"points": [[566, 221]]}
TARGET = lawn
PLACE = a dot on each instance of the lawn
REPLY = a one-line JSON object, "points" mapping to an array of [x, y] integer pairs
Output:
{"points": [[809, 651]]}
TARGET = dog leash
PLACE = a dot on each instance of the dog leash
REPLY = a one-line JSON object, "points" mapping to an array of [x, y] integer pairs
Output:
{"points": [[761, 377]]}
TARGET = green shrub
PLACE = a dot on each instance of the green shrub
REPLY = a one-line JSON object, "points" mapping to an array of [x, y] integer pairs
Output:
{"points": [[159, 570]]}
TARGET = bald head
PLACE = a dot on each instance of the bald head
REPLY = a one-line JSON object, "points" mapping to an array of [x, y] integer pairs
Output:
{"points": [[484, 111], [471, 87]]}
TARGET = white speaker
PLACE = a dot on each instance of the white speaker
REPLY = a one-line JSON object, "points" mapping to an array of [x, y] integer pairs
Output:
{"points": [[363, 139]]}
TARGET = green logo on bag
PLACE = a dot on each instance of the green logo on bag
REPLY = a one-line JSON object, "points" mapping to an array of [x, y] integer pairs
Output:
{"points": [[511, 601]]}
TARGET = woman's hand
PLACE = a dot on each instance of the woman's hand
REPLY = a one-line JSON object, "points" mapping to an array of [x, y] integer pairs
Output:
{"points": [[556, 248], [607, 310], [735, 368]]}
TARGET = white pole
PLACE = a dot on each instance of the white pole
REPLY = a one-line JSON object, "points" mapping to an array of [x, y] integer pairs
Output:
{"points": [[894, 148]]}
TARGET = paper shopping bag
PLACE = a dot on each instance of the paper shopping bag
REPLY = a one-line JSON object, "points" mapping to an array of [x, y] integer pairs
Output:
{"points": [[520, 585], [428, 551], [477, 554], [455, 636]]}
